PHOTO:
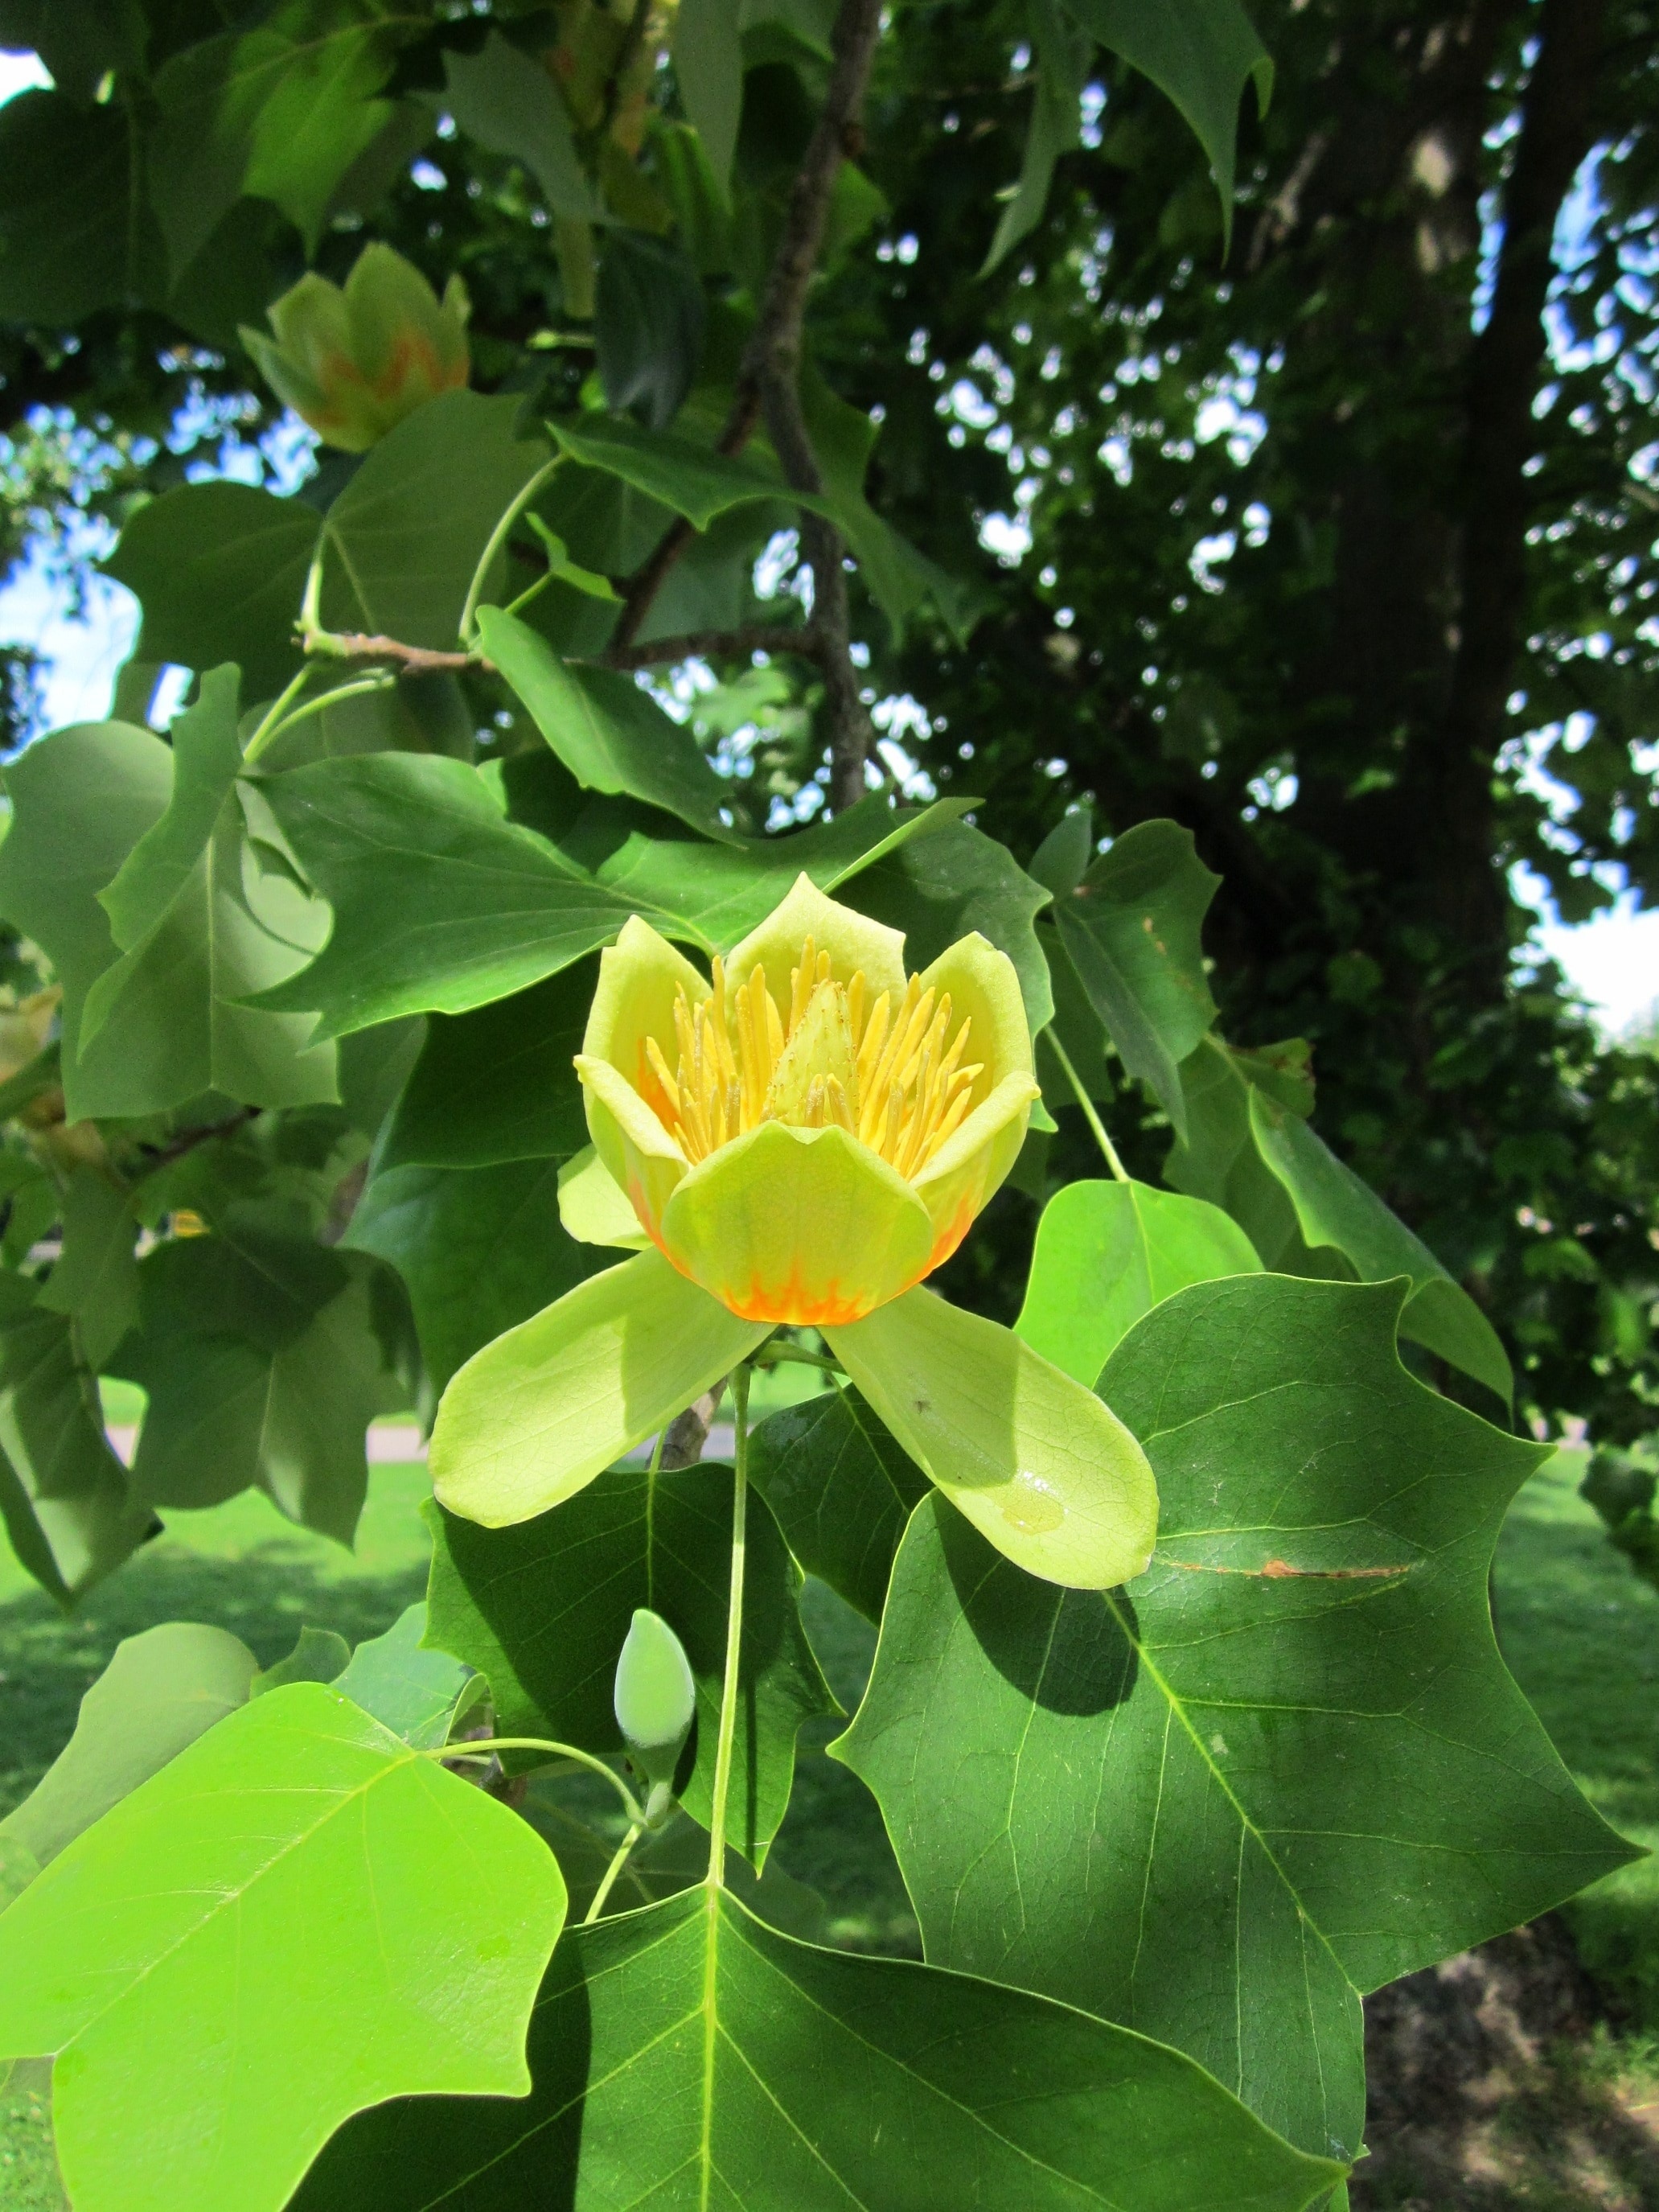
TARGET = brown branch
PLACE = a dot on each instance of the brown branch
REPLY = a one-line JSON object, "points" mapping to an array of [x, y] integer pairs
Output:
{"points": [[713, 645], [162, 1156], [409, 659], [769, 384]]}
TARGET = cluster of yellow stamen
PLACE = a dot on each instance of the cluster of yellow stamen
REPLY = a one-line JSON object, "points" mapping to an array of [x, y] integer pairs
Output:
{"points": [[892, 1077]]}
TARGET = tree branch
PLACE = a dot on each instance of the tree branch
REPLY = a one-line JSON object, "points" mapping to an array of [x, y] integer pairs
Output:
{"points": [[409, 659], [768, 384]]}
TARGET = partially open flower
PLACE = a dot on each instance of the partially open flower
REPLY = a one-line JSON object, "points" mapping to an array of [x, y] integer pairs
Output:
{"points": [[803, 1135], [808, 1133], [353, 362]]}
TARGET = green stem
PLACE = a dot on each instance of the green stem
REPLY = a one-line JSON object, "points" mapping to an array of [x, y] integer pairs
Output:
{"points": [[272, 721], [485, 1747], [773, 1353], [733, 1628], [1088, 1106], [609, 1880], [268, 731], [498, 537]]}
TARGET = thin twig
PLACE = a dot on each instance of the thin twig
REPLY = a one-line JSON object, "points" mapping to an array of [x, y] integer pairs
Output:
{"points": [[163, 1156], [409, 659]]}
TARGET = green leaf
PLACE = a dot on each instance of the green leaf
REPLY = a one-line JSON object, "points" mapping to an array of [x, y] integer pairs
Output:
{"points": [[1334, 1206], [1284, 1767], [1131, 930], [440, 904], [501, 98], [67, 230], [94, 1280], [281, 111], [532, 1418], [1199, 53], [219, 570], [412, 1691], [1061, 861], [1041, 1469], [162, 1022], [1063, 59], [588, 581], [261, 1913], [691, 2051], [319, 1655], [406, 535], [648, 325], [479, 1249], [708, 47], [161, 1691], [693, 480], [64, 1495], [715, 894], [542, 1611], [947, 880], [1107, 1252], [1251, 1151], [610, 735], [81, 800], [497, 1084], [842, 1488], [262, 1370]]}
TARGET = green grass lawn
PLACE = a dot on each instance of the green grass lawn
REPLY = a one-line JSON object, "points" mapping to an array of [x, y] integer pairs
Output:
{"points": [[1580, 1633]]}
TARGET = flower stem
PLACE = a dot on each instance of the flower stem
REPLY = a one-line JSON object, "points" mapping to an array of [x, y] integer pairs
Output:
{"points": [[773, 1353], [733, 1627], [487, 1745], [608, 1880], [498, 537], [1088, 1106]]}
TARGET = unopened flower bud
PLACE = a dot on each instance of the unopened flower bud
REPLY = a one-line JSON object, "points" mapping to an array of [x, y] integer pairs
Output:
{"points": [[656, 1697]]}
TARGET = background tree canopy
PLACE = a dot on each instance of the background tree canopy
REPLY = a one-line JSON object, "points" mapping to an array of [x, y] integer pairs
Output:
{"points": [[1332, 540]]}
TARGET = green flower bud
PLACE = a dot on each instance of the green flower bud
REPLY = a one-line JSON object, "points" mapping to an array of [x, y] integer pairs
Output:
{"points": [[354, 363], [656, 1697]]}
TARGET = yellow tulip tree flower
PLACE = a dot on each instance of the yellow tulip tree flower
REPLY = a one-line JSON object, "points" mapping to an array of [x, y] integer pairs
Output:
{"points": [[801, 1139]]}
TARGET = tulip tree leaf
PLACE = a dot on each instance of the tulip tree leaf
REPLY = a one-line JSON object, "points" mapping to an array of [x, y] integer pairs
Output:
{"points": [[156, 1956], [694, 480], [219, 569], [1107, 1252], [440, 903], [690, 2052], [1201, 54], [65, 1496], [161, 1691], [67, 247], [95, 1277], [498, 96], [1282, 1767], [81, 799], [708, 70], [1250, 1150], [479, 1249], [542, 1609], [192, 944], [497, 1085], [410, 1690], [610, 735], [1131, 928], [406, 535], [262, 1370], [319, 1655], [842, 1487], [948, 880]]}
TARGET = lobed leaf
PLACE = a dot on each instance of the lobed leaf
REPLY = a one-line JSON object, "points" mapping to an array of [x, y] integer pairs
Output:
{"points": [[842, 1487]]}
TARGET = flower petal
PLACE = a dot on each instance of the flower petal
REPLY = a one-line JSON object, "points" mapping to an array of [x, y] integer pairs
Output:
{"points": [[1042, 1469], [851, 940], [971, 1165], [984, 984], [640, 1156], [536, 1415], [592, 1207], [799, 1225], [639, 978]]}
